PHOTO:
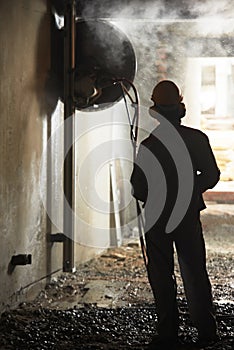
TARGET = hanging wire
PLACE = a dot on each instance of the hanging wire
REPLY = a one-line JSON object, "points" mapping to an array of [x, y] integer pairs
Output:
{"points": [[134, 127], [132, 134], [135, 120]]}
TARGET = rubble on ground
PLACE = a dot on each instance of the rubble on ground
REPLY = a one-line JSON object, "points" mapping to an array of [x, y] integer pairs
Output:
{"points": [[107, 303]]}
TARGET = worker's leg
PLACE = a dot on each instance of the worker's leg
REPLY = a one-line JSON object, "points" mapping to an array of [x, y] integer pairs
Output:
{"points": [[190, 248], [161, 277]]}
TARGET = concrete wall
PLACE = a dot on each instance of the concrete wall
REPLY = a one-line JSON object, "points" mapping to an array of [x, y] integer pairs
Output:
{"points": [[29, 181], [24, 64]]}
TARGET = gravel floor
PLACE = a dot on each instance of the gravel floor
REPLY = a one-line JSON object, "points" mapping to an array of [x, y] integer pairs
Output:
{"points": [[108, 304]]}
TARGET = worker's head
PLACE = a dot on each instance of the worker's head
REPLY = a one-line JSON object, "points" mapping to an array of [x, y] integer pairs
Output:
{"points": [[166, 93], [167, 99]]}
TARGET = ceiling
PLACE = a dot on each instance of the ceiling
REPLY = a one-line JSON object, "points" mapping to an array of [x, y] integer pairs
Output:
{"points": [[151, 9]]}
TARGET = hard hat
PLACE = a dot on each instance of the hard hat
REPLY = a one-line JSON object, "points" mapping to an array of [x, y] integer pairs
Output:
{"points": [[166, 93]]}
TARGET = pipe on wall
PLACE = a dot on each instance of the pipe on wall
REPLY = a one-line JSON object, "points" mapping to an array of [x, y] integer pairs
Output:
{"points": [[69, 112]]}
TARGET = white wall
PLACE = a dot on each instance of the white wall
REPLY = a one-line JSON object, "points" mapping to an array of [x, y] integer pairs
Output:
{"points": [[102, 142]]}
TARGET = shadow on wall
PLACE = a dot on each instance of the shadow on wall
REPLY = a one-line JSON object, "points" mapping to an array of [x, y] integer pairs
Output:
{"points": [[25, 60], [48, 93]]}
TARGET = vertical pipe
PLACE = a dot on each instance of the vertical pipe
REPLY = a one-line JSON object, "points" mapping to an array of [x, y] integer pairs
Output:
{"points": [[69, 111]]}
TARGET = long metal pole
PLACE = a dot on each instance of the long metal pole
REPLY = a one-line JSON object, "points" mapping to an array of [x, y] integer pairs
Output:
{"points": [[69, 112]]}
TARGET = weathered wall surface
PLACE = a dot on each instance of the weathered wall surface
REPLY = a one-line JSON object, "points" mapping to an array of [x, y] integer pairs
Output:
{"points": [[28, 117], [24, 64]]}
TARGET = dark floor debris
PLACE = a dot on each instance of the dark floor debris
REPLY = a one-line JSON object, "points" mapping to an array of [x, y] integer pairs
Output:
{"points": [[91, 327], [107, 304]]}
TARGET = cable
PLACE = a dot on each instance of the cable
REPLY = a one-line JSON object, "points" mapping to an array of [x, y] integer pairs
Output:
{"points": [[134, 127], [132, 136]]}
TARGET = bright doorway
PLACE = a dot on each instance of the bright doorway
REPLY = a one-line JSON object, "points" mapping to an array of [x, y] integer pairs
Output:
{"points": [[209, 98]]}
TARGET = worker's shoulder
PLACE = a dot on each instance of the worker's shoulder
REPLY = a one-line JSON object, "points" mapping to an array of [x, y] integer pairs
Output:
{"points": [[147, 139], [150, 141], [192, 132]]}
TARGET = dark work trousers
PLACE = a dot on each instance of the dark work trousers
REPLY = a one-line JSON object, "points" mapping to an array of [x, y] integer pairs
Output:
{"points": [[190, 247]]}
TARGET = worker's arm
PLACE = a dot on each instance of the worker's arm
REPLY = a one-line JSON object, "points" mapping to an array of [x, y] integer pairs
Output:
{"points": [[209, 172], [138, 178]]}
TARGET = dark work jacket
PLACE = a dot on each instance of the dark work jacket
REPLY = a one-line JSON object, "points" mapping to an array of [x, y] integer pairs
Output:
{"points": [[174, 166]]}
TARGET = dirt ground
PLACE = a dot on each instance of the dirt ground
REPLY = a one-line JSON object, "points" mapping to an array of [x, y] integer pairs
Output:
{"points": [[107, 303]]}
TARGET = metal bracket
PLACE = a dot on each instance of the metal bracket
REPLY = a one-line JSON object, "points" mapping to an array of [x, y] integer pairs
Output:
{"points": [[56, 237]]}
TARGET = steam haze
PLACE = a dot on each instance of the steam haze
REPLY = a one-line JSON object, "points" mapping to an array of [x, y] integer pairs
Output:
{"points": [[158, 9], [165, 33]]}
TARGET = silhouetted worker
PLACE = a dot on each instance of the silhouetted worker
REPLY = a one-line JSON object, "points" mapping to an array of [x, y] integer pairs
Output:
{"points": [[174, 166]]}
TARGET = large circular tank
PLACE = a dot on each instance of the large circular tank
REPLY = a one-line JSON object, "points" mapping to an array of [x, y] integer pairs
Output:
{"points": [[103, 54]]}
